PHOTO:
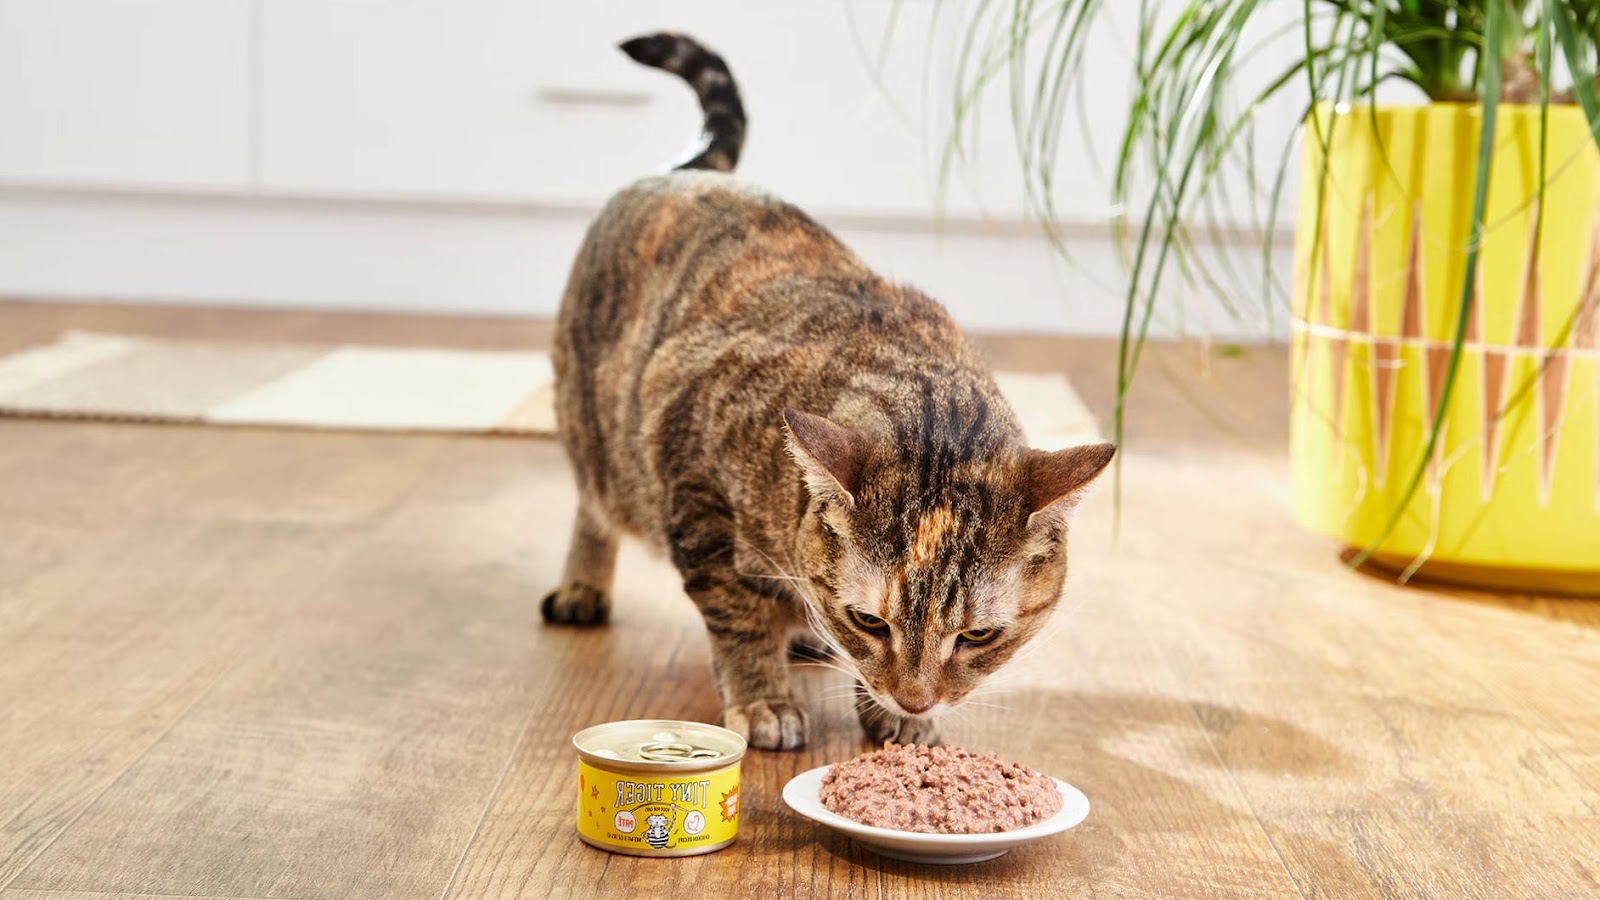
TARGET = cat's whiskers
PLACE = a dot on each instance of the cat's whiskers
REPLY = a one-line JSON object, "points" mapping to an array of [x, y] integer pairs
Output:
{"points": [[813, 612], [1007, 682], [965, 704], [782, 574], [827, 665], [820, 630], [770, 577], [808, 605], [1003, 687], [838, 690], [994, 685], [1013, 674], [965, 713], [873, 713], [830, 699]]}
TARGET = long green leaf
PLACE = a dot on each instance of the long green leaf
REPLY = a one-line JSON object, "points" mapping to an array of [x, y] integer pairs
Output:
{"points": [[1490, 79], [1582, 73]]}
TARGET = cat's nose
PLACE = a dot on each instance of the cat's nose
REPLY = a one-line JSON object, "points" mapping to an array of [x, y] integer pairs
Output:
{"points": [[916, 706]]}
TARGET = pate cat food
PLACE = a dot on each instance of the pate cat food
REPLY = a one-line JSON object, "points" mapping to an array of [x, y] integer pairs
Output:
{"points": [[943, 790]]}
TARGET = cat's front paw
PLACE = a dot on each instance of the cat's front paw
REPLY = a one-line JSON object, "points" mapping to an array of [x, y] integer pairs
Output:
{"points": [[775, 723], [881, 725], [576, 604]]}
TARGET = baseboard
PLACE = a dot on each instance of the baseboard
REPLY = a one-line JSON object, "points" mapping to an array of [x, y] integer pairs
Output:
{"points": [[513, 260]]}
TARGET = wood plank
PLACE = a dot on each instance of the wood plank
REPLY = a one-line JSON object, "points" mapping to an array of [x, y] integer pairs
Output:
{"points": [[352, 754], [128, 612], [133, 636], [93, 895], [1382, 854], [92, 472]]}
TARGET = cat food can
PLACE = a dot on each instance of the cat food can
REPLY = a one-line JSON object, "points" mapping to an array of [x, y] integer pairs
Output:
{"points": [[658, 787]]}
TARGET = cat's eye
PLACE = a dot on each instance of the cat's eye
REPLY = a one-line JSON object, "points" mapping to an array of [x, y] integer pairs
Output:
{"points": [[867, 620], [979, 635]]}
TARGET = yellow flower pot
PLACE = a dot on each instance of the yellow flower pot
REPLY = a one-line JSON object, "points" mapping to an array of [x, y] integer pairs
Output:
{"points": [[1511, 497]]}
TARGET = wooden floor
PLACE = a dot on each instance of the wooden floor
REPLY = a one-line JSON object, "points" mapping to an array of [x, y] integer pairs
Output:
{"points": [[269, 664]]}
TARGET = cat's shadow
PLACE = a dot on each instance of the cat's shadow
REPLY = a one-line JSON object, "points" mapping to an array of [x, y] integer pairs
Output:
{"points": [[1154, 768]]}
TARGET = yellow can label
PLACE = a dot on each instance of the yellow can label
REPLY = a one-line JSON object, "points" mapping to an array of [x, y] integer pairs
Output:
{"points": [[644, 813]]}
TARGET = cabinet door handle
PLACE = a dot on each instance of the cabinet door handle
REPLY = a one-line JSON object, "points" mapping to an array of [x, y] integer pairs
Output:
{"points": [[583, 96]]}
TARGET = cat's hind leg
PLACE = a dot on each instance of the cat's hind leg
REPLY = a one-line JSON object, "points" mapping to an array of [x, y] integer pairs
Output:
{"points": [[584, 596]]}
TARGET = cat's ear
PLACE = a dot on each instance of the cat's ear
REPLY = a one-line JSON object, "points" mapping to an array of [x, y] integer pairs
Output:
{"points": [[831, 455], [1056, 481]]}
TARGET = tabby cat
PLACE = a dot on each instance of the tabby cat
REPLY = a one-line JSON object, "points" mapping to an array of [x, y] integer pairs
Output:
{"points": [[813, 446]]}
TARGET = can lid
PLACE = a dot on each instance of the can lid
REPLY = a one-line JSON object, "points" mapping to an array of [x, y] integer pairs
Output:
{"points": [[659, 744]]}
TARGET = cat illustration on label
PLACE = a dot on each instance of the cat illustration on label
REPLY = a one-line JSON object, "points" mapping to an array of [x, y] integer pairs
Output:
{"points": [[658, 828]]}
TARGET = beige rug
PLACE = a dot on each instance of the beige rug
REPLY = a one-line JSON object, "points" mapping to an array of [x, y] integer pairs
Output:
{"points": [[90, 375]]}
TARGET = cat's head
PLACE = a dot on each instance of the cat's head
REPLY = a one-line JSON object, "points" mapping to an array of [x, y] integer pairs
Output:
{"points": [[931, 566]]}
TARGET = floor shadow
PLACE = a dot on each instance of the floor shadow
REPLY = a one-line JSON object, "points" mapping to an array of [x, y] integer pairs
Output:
{"points": [[1575, 609], [1155, 769]]}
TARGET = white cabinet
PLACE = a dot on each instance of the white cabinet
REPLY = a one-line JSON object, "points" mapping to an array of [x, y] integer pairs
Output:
{"points": [[460, 100], [495, 100], [422, 98], [125, 92], [524, 100], [527, 101]]}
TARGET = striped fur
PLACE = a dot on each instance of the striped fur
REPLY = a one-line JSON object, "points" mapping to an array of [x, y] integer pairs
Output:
{"points": [[803, 439]]}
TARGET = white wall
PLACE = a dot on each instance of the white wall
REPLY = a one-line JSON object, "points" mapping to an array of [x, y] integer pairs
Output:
{"points": [[445, 154]]}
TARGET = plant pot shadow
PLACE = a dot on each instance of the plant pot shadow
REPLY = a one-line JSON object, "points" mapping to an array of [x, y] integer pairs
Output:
{"points": [[1582, 609], [1153, 766]]}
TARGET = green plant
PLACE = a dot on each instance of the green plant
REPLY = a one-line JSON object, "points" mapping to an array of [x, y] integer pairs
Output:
{"points": [[1195, 102]]}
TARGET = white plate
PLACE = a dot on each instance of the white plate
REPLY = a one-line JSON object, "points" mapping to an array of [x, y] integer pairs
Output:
{"points": [[940, 849]]}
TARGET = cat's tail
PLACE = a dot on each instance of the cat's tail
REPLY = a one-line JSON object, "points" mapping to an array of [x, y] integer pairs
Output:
{"points": [[683, 56]]}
